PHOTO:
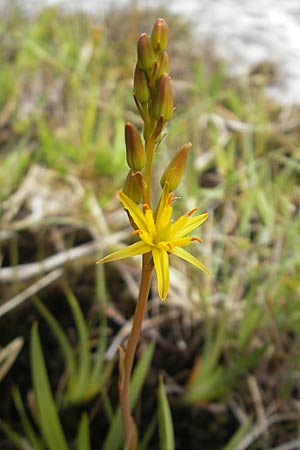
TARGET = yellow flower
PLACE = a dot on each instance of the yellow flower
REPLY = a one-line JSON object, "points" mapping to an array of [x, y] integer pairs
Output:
{"points": [[160, 236]]}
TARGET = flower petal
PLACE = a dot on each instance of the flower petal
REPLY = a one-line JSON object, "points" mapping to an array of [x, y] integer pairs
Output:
{"points": [[138, 248], [177, 227], [163, 201], [135, 212], [161, 264], [183, 254], [193, 223]]}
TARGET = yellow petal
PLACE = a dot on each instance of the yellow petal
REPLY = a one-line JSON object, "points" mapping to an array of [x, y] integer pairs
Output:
{"points": [[193, 223], [161, 264], [138, 248], [177, 227], [135, 212], [150, 222], [183, 254], [163, 202]]}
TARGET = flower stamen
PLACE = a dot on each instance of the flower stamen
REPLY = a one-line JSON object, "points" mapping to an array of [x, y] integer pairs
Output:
{"points": [[191, 211], [170, 199], [197, 239]]}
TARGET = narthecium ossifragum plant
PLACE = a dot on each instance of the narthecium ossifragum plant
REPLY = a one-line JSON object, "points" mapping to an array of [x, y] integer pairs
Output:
{"points": [[158, 235]]}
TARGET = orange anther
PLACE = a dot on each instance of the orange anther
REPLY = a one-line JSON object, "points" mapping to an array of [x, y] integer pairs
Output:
{"points": [[170, 199], [137, 232], [192, 211], [197, 239], [146, 206]]}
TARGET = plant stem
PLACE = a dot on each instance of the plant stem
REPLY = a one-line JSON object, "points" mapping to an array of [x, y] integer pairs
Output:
{"points": [[150, 147], [125, 374]]}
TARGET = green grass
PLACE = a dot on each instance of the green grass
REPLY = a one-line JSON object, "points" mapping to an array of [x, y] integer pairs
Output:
{"points": [[65, 94]]}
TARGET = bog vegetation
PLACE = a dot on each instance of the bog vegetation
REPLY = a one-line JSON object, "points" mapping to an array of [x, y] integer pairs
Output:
{"points": [[226, 347]]}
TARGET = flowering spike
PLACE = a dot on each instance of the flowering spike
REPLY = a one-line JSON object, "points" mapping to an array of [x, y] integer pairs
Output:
{"points": [[162, 104], [135, 152], [159, 35], [141, 85], [174, 171], [145, 52]]}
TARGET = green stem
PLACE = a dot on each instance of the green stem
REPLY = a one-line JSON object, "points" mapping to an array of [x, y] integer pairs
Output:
{"points": [[150, 147], [132, 344]]}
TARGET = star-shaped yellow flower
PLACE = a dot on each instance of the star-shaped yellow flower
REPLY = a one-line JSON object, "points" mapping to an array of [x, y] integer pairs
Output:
{"points": [[160, 236]]}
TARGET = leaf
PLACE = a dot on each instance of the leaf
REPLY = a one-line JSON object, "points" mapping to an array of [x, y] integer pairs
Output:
{"points": [[16, 438], [58, 332], [27, 426], [83, 441], [49, 421], [165, 423], [237, 437], [84, 359]]}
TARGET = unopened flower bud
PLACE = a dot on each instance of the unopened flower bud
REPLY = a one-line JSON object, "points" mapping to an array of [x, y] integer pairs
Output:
{"points": [[141, 85], [159, 35], [135, 152], [132, 187], [145, 52], [163, 68], [173, 173], [162, 104]]}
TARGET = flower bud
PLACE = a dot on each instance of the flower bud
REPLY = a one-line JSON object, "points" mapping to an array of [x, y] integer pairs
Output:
{"points": [[145, 52], [141, 85], [135, 152], [162, 104], [159, 35], [132, 187], [173, 173], [163, 68]]}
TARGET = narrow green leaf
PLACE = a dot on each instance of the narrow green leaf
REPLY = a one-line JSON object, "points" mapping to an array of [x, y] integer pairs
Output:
{"points": [[27, 426], [84, 359], [60, 335], [49, 421], [102, 341], [83, 440], [165, 423], [114, 438], [148, 434], [237, 437], [14, 437]]}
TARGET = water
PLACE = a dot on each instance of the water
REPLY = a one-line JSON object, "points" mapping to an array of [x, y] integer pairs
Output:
{"points": [[246, 32]]}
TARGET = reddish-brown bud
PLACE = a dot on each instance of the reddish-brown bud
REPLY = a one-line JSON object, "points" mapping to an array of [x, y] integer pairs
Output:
{"points": [[145, 52], [163, 68], [135, 152], [159, 35], [132, 186], [173, 173], [141, 85], [162, 104]]}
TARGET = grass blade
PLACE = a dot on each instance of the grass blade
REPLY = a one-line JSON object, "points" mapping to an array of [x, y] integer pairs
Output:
{"points": [[83, 440], [49, 421], [165, 423], [27, 426]]}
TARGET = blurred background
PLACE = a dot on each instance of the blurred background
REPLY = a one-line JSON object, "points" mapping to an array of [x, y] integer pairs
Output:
{"points": [[227, 346]]}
